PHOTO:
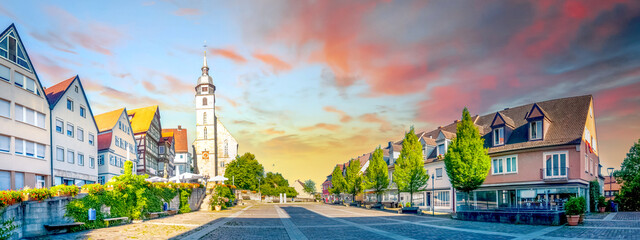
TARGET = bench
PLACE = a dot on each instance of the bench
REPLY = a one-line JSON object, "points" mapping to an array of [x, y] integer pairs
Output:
{"points": [[107, 221], [409, 210], [57, 228]]}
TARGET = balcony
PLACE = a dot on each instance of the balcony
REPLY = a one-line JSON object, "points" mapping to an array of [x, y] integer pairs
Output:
{"points": [[554, 174]]}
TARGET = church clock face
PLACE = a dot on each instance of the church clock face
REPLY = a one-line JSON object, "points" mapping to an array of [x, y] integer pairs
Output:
{"points": [[205, 154]]}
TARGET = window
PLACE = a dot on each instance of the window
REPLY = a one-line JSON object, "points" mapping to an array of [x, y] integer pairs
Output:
{"points": [[5, 143], [591, 165], [10, 49], [438, 173], [505, 164], [91, 139], [19, 79], [5, 73], [40, 181], [30, 149], [92, 162], [76, 88], [70, 130], [19, 145], [205, 89], [5, 180], [441, 149], [226, 148], [204, 118], [535, 130], [29, 116], [441, 199], [70, 156], [498, 136], [161, 149], [556, 165], [60, 154], [204, 101], [70, 104], [101, 179], [586, 163], [82, 112], [5, 108], [101, 160], [80, 159], [81, 134], [19, 113], [40, 150], [205, 133], [111, 161], [59, 126], [19, 179]]}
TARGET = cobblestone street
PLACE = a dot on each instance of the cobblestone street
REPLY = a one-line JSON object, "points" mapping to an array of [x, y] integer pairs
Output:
{"points": [[319, 221]]}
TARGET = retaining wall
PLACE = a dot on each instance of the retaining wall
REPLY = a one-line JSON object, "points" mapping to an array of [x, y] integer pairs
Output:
{"points": [[553, 218]]}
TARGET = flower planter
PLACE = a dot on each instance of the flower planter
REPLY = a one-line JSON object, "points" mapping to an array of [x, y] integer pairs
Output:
{"points": [[218, 208], [573, 220], [408, 210], [601, 209], [26, 197]]}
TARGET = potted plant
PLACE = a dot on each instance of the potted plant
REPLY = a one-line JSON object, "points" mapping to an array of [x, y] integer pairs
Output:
{"points": [[583, 208], [25, 194], [601, 204], [573, 209]]}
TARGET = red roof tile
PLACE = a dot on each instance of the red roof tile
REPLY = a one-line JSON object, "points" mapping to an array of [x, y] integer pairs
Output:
{"points": [[55, 92], [104, 140], [180, 139]]}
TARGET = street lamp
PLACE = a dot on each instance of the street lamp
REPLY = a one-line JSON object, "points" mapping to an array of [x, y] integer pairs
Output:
{"points": [[433, 196], [610, 171]]}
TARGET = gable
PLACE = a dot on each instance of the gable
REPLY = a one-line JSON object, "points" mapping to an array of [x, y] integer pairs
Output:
{"points": [[536, 112], [497, 120], [12, 49], [57, 91]]}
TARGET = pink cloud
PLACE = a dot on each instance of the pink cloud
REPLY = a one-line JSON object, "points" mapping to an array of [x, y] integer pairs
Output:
{"points": [[277, 65], [325, 126], [344, 117], [187, 12], [229, 54]]}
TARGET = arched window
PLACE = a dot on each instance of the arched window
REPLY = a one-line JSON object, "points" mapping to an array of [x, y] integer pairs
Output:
{"points": [[204, 101], [205, 133], [226, 148], [204, 118]]}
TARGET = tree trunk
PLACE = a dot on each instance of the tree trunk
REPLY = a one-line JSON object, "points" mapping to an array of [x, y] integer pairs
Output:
{"points": [[411, 198]]}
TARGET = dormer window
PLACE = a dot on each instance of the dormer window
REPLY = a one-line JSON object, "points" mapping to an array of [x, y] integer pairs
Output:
{"points": [[205, 89], [441, 150], [535, 130], [498, 136]]}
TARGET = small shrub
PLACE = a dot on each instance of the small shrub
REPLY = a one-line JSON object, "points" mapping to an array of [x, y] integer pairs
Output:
{"points": [[399, 205], [184, 200], [407, 204], [10, 197], [60, 190], [602, 201], [94, 189], [575, 206]]}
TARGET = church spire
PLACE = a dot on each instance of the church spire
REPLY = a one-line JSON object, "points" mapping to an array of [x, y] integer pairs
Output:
{"points": [[205, 68]]}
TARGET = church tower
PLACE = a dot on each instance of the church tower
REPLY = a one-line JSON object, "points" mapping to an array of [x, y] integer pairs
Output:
{"points": [[205, 144]]}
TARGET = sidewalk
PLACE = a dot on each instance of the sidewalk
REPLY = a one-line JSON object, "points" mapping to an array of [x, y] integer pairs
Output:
{"points": [[160, 228]]}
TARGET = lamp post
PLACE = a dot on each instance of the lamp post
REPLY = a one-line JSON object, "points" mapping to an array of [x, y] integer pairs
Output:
{"points": [[610, 171], [433, 196]]}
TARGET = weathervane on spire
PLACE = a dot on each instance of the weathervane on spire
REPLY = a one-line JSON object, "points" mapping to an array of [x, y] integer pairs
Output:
{"points": [[205, 59]]}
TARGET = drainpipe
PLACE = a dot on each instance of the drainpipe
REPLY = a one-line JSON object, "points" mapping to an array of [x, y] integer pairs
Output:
{"points": [[51, 145]]}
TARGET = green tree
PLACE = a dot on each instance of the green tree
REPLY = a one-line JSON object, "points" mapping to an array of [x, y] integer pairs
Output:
{"points": [[274, 184], [338, 184], [353, 179], [246, 170], [629, 178], [466, 161], [410, 175], [309, 187], [377, 175]]}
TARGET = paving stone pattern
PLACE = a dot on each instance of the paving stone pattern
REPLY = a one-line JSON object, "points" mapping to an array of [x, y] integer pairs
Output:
{"points": [[320, 221]]}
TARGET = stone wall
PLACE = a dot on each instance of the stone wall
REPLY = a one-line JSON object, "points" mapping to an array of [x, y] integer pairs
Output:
{"points": [[32, 216], [553, 218]]}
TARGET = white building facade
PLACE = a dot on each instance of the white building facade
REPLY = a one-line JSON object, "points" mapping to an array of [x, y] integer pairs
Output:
{"points": [[214, 145], [25, 149], [116, 144], [74, 134]]}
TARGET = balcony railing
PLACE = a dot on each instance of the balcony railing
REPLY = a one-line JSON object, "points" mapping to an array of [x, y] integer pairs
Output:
{"points": [[558, 173]]}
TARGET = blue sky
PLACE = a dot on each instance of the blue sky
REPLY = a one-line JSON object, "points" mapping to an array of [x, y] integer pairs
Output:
{"points": [[306, 85]]}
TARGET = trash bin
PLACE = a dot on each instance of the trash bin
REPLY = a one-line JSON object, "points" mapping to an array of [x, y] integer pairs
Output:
{"points": [[165, 207], [92, 214]]}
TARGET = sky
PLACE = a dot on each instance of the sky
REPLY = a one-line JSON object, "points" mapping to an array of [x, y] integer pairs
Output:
{"points": [[305, 85]]}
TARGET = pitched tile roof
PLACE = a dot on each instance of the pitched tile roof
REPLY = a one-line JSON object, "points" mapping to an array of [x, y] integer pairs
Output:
{"points": [[108, 120], [104, 140], [167, 137], [142, 117], [180, 139], [55, 92]]}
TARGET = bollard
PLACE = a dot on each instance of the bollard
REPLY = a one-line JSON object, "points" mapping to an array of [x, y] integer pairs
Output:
{"points": [[92, 214], [285, 198]]}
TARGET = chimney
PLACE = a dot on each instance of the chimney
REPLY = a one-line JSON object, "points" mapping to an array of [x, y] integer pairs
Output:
{"points": [[179, 128]]}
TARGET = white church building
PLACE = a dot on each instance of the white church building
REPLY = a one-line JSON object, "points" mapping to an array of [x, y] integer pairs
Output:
{"points": [[214, 145]]}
